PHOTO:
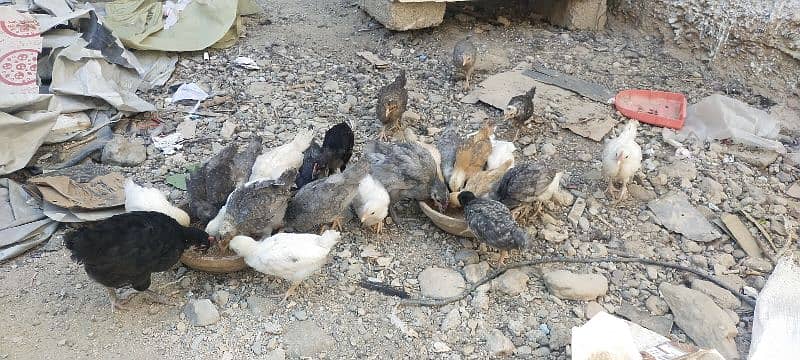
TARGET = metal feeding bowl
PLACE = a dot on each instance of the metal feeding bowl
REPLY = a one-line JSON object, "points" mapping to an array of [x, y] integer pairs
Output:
{"points": [[213, 261], [452, 221]]}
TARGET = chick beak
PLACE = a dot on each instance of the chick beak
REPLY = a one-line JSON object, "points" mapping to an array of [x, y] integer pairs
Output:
{"points": [[620, 156], [387, 112], [363, 218], [464, 61]]}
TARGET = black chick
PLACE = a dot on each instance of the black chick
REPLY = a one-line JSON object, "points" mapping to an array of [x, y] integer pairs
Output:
{"points": [[337, 148], [392, 102], [125, 249], [308, 171], [491, 222], [520, 109]]}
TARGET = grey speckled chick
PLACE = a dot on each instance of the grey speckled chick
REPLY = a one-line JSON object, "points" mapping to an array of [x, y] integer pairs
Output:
{"points": [[407, 171], [464, 56], [491, 222], [448, 146], [258, 207], [527, 184], [210, 185], [325, 200]]}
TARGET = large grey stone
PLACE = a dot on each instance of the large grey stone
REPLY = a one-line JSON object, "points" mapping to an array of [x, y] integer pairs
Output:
{"points": [[675, 213], [122, 151], [440, 283], [705, 322], [405, 16], [569, 286], [201, 312]]}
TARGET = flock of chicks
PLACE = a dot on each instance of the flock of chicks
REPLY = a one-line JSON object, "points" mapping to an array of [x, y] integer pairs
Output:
{"points": [[301, 187]]}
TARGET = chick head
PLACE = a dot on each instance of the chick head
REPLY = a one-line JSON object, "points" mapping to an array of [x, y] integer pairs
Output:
{"points": [[198, 238], [242, 245], [510, 112], [373, 212], [440, 195]]}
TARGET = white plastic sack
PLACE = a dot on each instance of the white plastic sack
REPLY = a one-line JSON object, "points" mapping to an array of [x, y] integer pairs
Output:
{"points": [[604, 335], [720, 117], [776, 328]]}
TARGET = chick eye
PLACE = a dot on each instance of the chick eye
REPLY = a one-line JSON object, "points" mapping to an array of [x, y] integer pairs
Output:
{"points": [[627, 156]]}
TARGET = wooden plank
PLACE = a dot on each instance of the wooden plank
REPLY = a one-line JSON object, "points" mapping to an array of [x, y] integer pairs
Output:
{"points": [[741, 234]]}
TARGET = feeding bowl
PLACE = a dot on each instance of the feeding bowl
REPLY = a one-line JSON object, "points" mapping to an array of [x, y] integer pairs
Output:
{"points": [[452, 221], [658, 108], [213, 261]]}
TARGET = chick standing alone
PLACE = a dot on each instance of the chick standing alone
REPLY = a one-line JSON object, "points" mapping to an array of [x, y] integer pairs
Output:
{"points": [[293, 257], [392, 102], [520, 109], [622, 158], [491, 222], [464, 56]]}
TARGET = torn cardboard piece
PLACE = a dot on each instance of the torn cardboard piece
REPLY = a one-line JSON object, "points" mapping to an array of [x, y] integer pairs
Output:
{"points": [[82, 191], [22, 224], [25, 121], [20, 45]]}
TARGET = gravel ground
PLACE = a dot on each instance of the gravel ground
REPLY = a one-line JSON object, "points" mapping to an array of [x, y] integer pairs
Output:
{"points": [[311, 75]]}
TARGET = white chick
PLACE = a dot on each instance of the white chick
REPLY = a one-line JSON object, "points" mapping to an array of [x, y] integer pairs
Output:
{"points": [[372, 203], [139, 198], [273, 163], [214, 225], [622, 158], [502, 151], [293, 257]]}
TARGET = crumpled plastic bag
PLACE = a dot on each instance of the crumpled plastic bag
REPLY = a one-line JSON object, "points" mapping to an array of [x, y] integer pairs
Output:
{"points": [[720, 117], [776, 327], [606, 337], [22, 223], [25, 121]]}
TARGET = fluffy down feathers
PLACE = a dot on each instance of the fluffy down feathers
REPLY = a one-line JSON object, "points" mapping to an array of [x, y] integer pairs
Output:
{"points": [[324, 200], [483, 183], [290, 256], [407, 171], [139, 198], [471, 156], [337, 148], [125, 249], [308, 171], [491, 222], [273, 163], [392, 101], [527, 184], [622, 156], [520, 108], [448, 145], [502, 151], [372, 202]]}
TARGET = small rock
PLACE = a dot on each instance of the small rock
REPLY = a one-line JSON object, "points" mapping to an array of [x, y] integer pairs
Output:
{"points": [[712, 190], [576, 212], [260, 89], [553, 236], [228, 128], [498, 344], [467, 256], [201, 312], [452, 320], [659, 324], [396, 52], [705, 322], [271, 328], [656, 305], [548, 149], [674, 212], [440, 347], [529, 150], [758, 264], [277, 354], [220, 297], [512, 282], [330, 86], [560, 336], [475, 272], [260, 305], [569, 286], [592, 308], [722, 297], [440, 283], [524, 351], [122, 151], [300, 315], [410, 117]]}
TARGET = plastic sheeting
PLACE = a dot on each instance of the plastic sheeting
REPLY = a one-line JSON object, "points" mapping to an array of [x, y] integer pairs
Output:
{"points": [[25, 121], [776, 328], [22, 223]]}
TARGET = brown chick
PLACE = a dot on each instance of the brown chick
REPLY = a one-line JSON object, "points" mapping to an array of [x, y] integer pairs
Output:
{"points": [[471, 156], [482, 183], [464, 55], [392, 101]]}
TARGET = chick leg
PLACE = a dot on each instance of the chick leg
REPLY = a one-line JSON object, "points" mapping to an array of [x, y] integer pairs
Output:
{"points": [[384, 134], [116, 304], [337, 223], [501, 260], [291, 291], [520, 213], [624, 190], [156, 297], [378, 227], [467, 76]]}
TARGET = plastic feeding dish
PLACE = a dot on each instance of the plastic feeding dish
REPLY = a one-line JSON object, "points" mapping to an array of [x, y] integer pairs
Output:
{"points": [[657, 108]]}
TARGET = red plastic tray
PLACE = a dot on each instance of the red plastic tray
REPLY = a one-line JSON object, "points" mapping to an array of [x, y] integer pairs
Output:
{"points": [[658, 108]]}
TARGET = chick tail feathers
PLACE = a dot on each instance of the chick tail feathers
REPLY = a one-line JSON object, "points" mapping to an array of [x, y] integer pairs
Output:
{"points": [[303, 140], [629, 131], [329, 238], [384, 289]]}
